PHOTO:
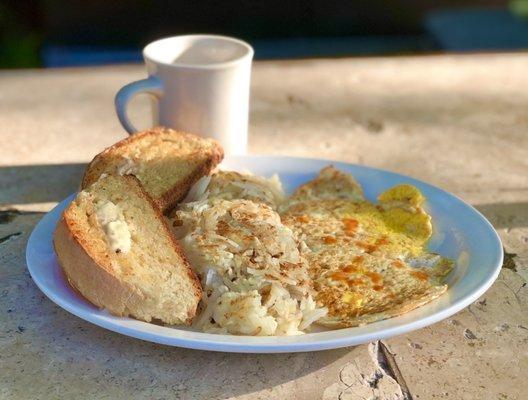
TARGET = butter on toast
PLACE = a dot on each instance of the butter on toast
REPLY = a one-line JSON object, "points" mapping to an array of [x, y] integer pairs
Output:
{"points": [[115, 249]]}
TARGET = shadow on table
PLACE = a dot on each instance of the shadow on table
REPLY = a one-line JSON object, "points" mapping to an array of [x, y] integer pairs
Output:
{"points": [[505, 215], [44, 183]]}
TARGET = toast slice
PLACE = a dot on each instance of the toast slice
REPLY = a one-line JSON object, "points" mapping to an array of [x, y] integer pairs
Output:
{"points": [[166, 162], [116, 250]]}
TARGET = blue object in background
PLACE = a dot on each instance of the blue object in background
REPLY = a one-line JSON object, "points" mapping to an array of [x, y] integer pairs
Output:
{"points": [[445, 30], [76, 56], [340, 46], [477, 30]]}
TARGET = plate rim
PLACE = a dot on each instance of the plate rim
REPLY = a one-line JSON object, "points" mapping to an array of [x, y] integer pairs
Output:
{"points": [[206, 341]]}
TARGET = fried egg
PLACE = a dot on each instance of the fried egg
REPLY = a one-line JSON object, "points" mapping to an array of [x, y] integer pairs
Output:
{"points": [[368, 261]]}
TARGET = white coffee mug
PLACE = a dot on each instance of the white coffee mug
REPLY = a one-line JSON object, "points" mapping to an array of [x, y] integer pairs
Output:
{"points": [[199, 84]]}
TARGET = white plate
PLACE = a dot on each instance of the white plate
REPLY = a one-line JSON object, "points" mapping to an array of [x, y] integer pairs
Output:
{"points": [[461, 233]]}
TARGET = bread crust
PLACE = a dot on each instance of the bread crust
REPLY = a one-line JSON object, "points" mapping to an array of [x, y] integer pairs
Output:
{"points": [[167, 201], [90, 279], [176, 245], [173, 196], [96, 282]]}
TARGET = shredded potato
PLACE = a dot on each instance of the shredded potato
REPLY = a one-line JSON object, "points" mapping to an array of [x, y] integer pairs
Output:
{"points": [[253, 272]]}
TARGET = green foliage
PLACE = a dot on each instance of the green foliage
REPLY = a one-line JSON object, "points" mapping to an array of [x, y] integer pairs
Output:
{"points": [[19, 44], [519, 8]]}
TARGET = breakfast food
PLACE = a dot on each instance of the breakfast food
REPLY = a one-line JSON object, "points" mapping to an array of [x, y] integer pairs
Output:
{"points": [[239, 257], [229, 185], [330, 184], [117, 251], [166, 162], [254, 275], [368, 261]]}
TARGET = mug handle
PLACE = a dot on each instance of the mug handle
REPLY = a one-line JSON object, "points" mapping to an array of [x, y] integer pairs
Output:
{"points": [[152, 85]]}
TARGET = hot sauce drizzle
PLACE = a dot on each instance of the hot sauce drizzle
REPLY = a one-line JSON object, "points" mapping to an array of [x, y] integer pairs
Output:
{"points": [[329, 239], [420, 275]]}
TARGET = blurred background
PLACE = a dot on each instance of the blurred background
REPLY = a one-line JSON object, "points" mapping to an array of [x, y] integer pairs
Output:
{"points": [[55, 33]]}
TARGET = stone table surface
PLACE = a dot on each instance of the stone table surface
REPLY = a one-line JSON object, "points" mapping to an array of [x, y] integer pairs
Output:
{"points": [[458, 122]]}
